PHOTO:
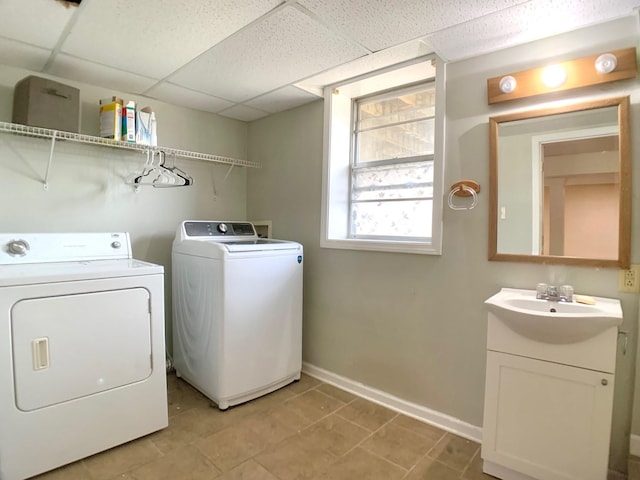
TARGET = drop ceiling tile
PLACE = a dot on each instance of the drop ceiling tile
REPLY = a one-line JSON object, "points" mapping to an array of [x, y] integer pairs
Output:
{"points": [[38, 22], [524, 23], [282, 99], [21, 55], [73, 68], [279, 50], [155, 37], [176, 95], [379, 24], [370, 63], [244, 113]]}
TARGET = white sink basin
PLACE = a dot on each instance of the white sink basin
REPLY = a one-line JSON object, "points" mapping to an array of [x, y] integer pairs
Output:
{"points": [[553, 322]]}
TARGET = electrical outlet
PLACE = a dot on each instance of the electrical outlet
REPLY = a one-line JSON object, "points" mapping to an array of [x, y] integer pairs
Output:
{"points": [[629, 280]]}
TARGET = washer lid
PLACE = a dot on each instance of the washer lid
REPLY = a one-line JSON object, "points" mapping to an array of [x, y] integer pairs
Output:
{"points": [[259, 244]]}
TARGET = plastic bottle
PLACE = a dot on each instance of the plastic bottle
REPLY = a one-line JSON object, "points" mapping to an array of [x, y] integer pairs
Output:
{"points": [[154, 130], [129, 122]]}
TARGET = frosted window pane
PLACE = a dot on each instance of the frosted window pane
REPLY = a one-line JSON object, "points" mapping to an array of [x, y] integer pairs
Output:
{"points": [[410, 218], [409, 180]]}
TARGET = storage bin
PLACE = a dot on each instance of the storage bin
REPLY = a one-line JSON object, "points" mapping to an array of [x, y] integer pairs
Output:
{"points": [[40, 102]]}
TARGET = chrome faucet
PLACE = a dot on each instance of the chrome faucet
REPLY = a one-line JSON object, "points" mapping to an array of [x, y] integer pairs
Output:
{"points": [[553, 294]]}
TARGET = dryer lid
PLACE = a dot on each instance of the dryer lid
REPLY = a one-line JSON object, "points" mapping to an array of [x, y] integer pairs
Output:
{"points": [[38, 273]]}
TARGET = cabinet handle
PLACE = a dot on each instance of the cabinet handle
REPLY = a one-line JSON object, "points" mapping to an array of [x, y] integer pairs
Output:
{"points": [[604, 382]]}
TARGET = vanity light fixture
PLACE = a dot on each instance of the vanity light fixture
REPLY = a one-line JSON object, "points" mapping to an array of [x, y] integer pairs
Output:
{"points": [[581, 72]]}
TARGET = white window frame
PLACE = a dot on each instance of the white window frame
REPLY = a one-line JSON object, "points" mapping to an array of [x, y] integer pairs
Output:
{"points": [[338, 124]]}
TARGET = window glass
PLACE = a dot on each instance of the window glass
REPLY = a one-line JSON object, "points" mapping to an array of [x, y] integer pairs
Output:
{"points": [[392, 165], [399, 126]]}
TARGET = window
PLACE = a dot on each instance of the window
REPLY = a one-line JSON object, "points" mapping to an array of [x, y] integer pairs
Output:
{"points": [[382, 169], [392, 165]]}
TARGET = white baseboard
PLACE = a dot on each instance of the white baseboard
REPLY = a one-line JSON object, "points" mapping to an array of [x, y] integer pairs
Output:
{"points": [[634, 445], [419, 412]]}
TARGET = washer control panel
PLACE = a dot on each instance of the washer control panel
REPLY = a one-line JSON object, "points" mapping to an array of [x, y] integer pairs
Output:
{"points": [[219, 229]]}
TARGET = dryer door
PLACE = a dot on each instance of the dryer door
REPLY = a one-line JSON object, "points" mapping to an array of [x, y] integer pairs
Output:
{"points": [[71, 346]]}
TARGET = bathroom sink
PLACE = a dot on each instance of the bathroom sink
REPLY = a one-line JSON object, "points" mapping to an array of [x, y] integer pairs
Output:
{"points": [[553, 322]]}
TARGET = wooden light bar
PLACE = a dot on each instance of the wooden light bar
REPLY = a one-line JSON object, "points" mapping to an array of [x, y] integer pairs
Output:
{"points": [[579, 73]]}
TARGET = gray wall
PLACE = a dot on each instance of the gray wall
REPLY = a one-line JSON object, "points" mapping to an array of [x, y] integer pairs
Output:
{"points": [[86, 183], [515, 192], [413, 325]]}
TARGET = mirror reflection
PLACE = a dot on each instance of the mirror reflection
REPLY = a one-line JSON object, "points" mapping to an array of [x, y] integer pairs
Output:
{"points": [[559, 189]]}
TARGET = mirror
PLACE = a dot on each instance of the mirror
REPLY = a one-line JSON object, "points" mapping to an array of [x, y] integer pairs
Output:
{"points": [[560, 185]]}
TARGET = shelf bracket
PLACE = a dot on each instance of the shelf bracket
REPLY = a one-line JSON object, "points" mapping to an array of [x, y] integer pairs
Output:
{"points": [[46, 175], [224, 179], [227, 174]]}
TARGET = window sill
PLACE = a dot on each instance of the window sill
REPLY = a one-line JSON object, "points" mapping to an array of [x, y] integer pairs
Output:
{"points": [[422, 248]]}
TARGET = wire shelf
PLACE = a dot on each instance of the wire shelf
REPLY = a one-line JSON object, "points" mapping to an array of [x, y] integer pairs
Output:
{"points": [[39, 132]]}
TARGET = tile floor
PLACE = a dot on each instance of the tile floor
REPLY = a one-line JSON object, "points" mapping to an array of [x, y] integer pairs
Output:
{"points": [[308, 430]]}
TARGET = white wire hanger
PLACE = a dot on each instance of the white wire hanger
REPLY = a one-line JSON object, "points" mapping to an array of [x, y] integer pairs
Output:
{"points": [[156, 174]]}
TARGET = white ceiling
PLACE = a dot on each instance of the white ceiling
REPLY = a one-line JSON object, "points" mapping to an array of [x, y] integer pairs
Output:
{"points": [[246, 59]]}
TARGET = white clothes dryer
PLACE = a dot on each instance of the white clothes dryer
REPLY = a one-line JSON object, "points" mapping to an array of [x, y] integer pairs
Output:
{"points": [[82, 355], [237, 310]]}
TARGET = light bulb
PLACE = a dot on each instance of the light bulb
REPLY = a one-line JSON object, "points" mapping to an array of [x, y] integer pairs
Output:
{"points": [[553, 76], [606, 63], [508, 84]]}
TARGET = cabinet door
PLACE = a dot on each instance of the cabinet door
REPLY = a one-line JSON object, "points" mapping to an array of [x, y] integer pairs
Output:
{"points": [[546, 420]]}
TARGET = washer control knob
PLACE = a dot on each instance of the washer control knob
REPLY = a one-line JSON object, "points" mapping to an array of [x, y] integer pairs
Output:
{"points": [[18, 247], [116, 244], [222, 228]]}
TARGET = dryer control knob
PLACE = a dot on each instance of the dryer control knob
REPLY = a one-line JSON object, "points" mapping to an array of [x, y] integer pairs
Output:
{"points": [[18, 247], [116, 244], [222, 227]]}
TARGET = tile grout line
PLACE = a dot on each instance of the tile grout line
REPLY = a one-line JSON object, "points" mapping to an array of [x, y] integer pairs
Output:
{"points": [[444, 434], [373, 432], [473, 457]]}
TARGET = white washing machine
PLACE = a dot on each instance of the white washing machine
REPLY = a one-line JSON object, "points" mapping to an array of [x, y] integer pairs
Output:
{"points": [[82, 356], [237, 310]]}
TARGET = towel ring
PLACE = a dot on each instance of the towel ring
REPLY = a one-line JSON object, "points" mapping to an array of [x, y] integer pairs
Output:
{"points": [[464, 188]]}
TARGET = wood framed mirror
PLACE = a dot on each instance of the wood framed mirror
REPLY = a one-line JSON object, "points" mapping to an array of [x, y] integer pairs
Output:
{"points": [[560, 185]]}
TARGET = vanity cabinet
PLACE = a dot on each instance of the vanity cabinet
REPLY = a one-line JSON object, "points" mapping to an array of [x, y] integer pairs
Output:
{"points": [[547, 420], [548, 407]]}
